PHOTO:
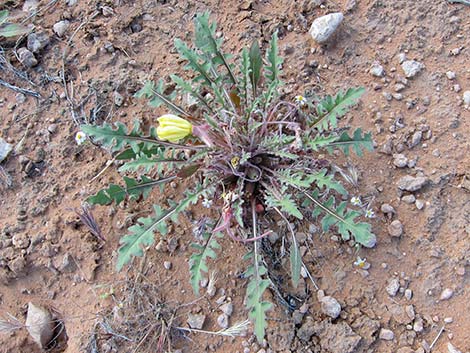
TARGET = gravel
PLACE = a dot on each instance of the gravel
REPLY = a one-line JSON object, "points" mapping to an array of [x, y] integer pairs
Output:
{"points": [[330, 307], [411, 68], [323, 27], [395, 229], [410, 183]]}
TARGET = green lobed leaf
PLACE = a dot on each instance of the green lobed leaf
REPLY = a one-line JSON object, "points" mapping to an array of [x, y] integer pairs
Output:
{"points": [[283, 201], [257, 285], [357, 142], [332, 108], [198, 261], [345, 221], [142, 233], [156, 96], [133, 189], [273, 68], [324, 180]]}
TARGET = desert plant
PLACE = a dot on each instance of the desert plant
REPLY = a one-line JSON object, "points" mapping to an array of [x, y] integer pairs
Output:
{"points": [[245, 150], [9, 29]]}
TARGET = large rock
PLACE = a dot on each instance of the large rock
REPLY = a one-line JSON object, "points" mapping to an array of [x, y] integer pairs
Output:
{"points": [[336, 338], [410, 183], [411, 68], [40, 324], [323, 27]]}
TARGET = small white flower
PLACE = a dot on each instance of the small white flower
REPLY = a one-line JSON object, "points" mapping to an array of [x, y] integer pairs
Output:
{"points": [[207, 203], [362, 263], [369, 213], [80, 137], [300, 100], [356, 201]]}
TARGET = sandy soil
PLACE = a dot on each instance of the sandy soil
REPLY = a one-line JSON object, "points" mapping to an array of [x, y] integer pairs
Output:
{"points": [[109, 49]]}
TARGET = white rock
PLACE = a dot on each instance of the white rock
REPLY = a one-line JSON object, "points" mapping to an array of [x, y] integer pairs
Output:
{"points": [[446, 294], [330, 307], [466, 98], [393, 287], [401, 58], [450, 75], [61, 27], [40, 324], [323, 27], [377, 70], [400, 160], [411, 68], [30, 5], [5, 149], [386, 334]]}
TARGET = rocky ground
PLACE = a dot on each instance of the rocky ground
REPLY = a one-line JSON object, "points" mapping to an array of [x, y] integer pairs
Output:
{"points": [[86, 59]]}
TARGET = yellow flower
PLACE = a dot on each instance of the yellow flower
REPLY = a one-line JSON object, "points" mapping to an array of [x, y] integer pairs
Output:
{"points": [[173, 128]]}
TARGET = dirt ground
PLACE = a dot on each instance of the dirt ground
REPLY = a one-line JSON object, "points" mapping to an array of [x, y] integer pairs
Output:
{"points": [[417, 285]]}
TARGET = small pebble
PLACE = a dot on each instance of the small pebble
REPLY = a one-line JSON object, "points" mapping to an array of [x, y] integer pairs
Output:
{"points": [[393, 287], [61, 27], [167, 265], [446, 294], [408, 294], [386, 208], [377, 70], [419, 204], [450, 75], [448, 320], [222, 321], [395, 229], [466, 98], [386, 334], [400, 160]]}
